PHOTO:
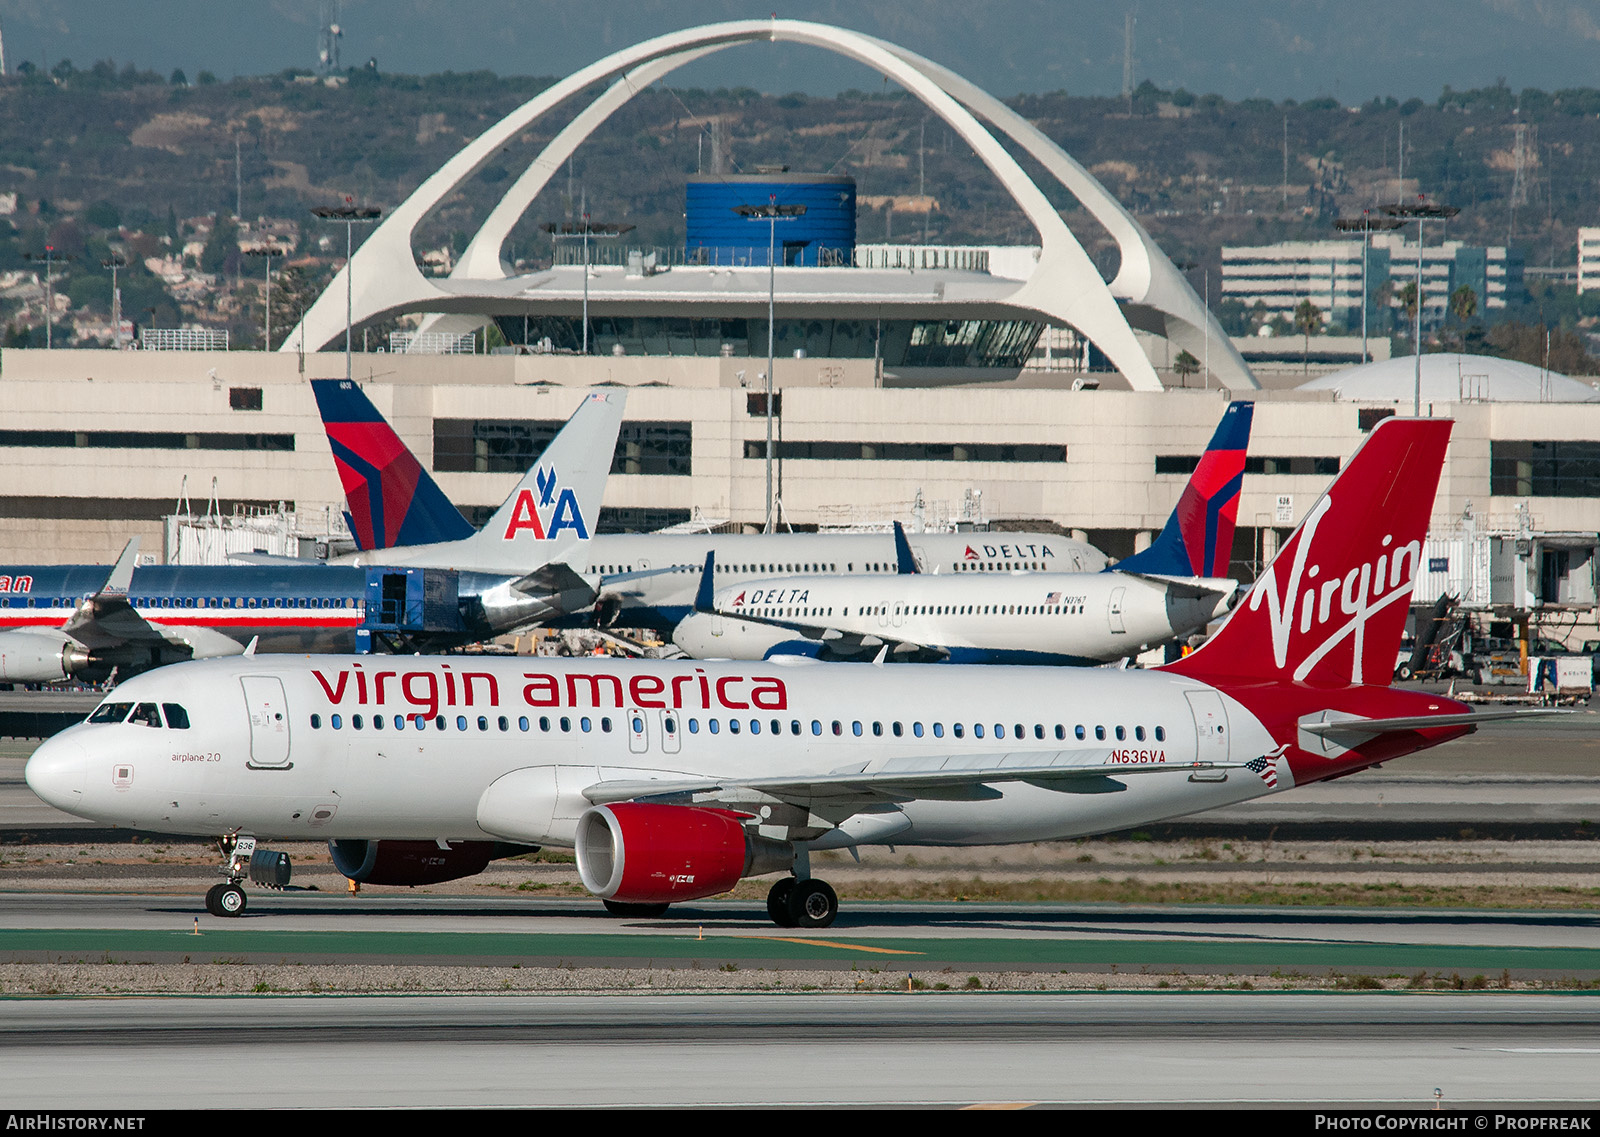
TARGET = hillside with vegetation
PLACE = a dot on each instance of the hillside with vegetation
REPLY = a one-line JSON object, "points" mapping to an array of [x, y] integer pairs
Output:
{"points": [[116, 161]]}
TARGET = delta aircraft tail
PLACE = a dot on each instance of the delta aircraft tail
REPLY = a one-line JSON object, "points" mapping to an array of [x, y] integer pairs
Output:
{"points": [[392, 500], [1330, 609], [1198, 537]]}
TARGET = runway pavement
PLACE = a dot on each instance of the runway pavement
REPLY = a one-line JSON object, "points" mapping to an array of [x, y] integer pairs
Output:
{"points": [[1393, 1052]]}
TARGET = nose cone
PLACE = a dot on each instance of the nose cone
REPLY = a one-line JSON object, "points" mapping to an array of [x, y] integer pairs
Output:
{"points": [[57, 772]]}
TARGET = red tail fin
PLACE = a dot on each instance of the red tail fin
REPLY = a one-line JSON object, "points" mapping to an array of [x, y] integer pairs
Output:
{"points": [[1331, 607]]}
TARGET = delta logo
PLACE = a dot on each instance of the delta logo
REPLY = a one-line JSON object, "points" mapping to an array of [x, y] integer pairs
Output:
{"points": [[547, 514]]}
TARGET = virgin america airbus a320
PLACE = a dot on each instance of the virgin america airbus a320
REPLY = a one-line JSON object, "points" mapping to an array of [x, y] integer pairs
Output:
{"points": [[673, 780]]}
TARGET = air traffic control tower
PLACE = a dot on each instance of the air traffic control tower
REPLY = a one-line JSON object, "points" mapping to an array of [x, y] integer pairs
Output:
{"points": [[718, 234]]}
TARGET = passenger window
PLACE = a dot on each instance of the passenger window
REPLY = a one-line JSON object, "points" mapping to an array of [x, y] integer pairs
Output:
{"points": [[733, 726], [957, 729], [1122, 733], [838, 728], [1078, 733], [355, 722], [399, 722], [605, 725], [377, 722], [899, 731], [694, 726], [336, 722], [794, 727], [855, 729], [1161, 734], [1038, 730], [461, 722], [584, 724], [711, 724], [877, 730], [483, 722], [755, 726], [1100, 734], [566, 725], [1061, 733], [1138, 733], [111, 712], [316, 720], [938, 730], [977, 730], [816, 727]]}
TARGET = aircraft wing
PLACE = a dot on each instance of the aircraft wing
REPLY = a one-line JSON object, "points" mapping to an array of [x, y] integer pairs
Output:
{"points": [[106, 619], [842, 794], [554, 579]]}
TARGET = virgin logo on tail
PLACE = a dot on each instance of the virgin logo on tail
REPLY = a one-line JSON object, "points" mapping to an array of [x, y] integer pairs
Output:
{"points": [[1361, 593], [566, 513]]}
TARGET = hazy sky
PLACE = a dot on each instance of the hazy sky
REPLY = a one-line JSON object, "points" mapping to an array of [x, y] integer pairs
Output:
{"points": [[1354, 49]]}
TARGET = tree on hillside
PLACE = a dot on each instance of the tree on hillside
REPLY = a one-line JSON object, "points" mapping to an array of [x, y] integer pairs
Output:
{"points": [[1526, 343], [1307, 321]]}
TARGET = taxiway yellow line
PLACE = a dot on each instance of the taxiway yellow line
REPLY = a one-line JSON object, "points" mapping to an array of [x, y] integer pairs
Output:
{"points": [[839, 944]]}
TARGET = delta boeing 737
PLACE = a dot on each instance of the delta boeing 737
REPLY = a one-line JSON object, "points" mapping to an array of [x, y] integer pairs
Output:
{"points": [[674, 780], [1175, 587]]}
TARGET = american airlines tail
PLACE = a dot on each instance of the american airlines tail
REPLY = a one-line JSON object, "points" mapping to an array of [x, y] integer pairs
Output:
{"points": [[392, 500], [553, 507], [1198, 537], [1330, 609]]}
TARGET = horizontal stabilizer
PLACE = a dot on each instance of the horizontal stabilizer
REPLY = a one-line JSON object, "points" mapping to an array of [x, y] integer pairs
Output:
{"points": [[1353, 725]]}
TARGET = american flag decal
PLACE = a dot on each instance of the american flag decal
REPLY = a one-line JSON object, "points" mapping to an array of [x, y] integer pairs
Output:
{"points": [[1053, 598], [1266, 769]]}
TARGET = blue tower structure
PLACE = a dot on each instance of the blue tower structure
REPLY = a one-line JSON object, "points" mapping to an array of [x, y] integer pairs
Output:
{"points": [[825, 234]]}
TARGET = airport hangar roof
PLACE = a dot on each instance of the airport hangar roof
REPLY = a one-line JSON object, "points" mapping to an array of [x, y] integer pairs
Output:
{"points": [[1065, 288], [1450, 377]]}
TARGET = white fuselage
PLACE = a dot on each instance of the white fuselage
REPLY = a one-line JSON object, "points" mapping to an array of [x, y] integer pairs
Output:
{"points": [[290, 749], [1039, 617], [661, 571]]}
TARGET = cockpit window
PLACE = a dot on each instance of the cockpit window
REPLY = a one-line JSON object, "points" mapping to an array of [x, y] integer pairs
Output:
{"points": [[177, 717], [146, 714], [111, 712]]}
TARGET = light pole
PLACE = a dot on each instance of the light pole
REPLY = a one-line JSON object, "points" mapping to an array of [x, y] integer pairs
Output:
{"points": [[583, 232], [267, 252], [1366, 224], [114, 262], [771, 211], [1422, 210], [49, 260], [349, 214]]}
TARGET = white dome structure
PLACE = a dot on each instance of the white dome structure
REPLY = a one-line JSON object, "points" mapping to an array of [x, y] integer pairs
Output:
{"points": [[1450, 377], [1063, 288]]}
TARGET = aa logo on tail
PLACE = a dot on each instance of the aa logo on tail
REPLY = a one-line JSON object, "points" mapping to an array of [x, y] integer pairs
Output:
{"points": [[560, 511]]}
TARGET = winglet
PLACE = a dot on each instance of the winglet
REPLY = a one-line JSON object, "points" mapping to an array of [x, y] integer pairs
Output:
{"points": [[905, 563], [250, 648], [120, 577], [707, 590]]}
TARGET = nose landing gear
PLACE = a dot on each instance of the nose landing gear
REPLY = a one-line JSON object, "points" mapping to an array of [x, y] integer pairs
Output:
{"points": [[226, 900]]}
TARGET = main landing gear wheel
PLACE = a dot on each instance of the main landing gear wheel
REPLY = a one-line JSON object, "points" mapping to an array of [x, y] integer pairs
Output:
{"points": [[812, 904], [778, 902], [225, 900], [645, 911]]}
